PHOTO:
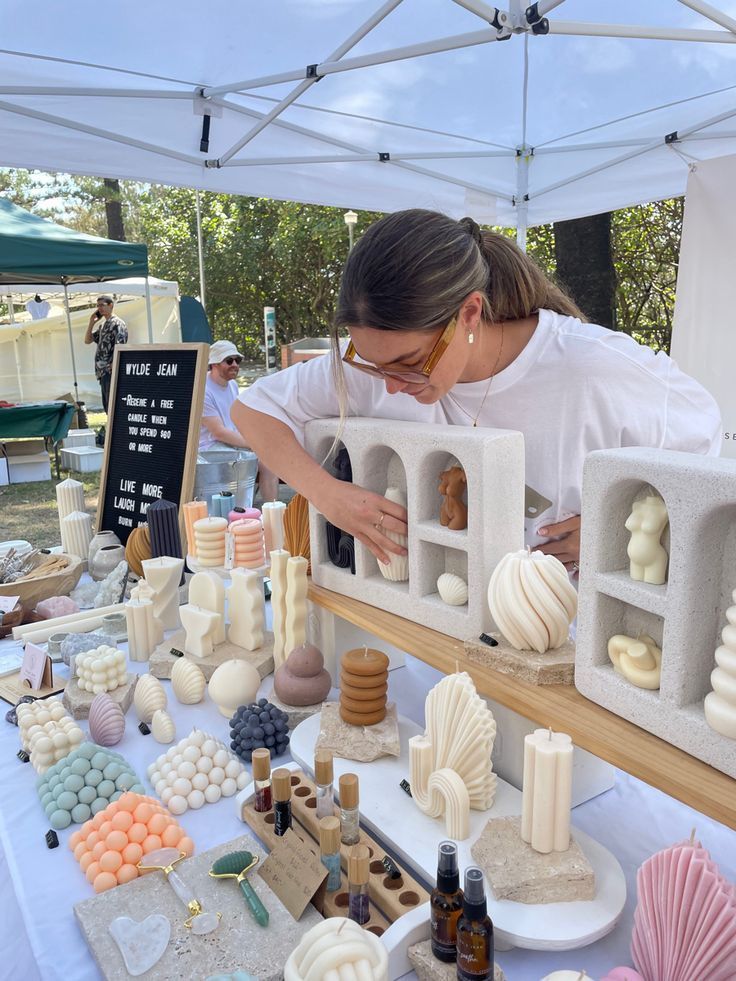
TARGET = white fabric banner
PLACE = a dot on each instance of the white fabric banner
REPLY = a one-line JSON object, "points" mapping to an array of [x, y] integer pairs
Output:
{"points": [[704, 333]]}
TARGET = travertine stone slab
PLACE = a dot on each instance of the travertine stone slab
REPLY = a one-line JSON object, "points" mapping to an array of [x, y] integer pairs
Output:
{"points": [[296, 713], [162, 660], [428, 968], [555, 667], [238, 943], [360, 743], [518, 873], [77, 702]]}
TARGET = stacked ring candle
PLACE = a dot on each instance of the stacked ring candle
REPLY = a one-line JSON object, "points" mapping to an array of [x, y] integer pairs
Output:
{"points": [[249, 549], [363, 686], [209, 540]]}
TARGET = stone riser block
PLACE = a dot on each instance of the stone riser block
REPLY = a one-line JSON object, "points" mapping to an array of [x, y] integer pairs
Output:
{"points": [[685, 616], [493, 460]]}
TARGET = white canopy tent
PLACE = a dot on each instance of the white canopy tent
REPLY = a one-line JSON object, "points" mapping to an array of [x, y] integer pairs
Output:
{"points": [[37, 359], [515, 115]]}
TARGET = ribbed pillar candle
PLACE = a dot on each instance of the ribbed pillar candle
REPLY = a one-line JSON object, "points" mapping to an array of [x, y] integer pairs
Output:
{"points": [[193, 511], [76, 534], [163, 525], [69, 497]]}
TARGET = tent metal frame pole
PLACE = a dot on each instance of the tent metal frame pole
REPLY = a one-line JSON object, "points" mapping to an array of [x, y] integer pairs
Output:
{"points": [[64, 123], [149, 312], [712, 13], [485, 11], [583, 29], [545, 6], [87, 93], [18, 372], [200, 251], [308, 82], [451, 43], [374, 157], [71, 341], [681, 135]]}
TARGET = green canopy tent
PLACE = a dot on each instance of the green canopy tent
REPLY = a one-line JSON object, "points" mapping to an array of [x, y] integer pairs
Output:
{"points": [[34, 250]]}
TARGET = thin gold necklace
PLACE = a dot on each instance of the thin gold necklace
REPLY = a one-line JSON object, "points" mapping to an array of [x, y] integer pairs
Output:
{"points": [[490, 382]]}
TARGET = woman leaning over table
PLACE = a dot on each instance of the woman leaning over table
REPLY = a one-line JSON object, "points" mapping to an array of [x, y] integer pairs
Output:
{"points": [[449, 324]]}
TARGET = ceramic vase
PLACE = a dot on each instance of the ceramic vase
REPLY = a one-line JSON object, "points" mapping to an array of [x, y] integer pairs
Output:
{"points": [[107, 558], [100, 539]]}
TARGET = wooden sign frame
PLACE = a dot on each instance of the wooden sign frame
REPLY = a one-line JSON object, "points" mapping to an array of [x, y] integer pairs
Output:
{"points": [[195, 420]]}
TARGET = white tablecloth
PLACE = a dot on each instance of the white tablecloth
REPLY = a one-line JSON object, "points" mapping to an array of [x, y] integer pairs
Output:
{"points": [[39, 937]]}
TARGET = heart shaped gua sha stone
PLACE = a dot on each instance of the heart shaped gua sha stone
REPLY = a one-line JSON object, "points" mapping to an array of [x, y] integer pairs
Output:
{"points": [[142, 944]]}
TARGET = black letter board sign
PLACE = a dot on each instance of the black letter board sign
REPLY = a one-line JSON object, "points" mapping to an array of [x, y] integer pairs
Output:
{"points": [[152, 435]]}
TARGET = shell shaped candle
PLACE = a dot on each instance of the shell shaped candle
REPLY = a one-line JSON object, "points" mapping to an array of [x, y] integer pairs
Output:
{"points": [[452, 589], [188, 682], [685, 918], [338, 948], [149, 697], [162, 727], [106, 721], [397, 569], [532, 600], [234, 683]]}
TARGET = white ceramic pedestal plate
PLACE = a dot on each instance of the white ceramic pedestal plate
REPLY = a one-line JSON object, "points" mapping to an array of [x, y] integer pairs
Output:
{"points": [[393, 817]]}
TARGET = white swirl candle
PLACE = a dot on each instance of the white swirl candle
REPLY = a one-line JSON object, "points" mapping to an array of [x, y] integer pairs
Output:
{"points": [[163, 575]]}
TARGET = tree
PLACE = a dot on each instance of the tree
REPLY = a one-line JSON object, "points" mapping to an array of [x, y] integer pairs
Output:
{"points": [[113, 209]]}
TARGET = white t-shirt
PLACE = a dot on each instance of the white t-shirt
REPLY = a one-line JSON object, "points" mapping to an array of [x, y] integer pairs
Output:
{"points": [[218, 400], [38, 309], [574, 388]]}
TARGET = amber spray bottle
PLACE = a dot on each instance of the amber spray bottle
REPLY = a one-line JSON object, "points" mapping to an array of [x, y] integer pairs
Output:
{"points": [[281, 782], [446, 903], [474, 932]]}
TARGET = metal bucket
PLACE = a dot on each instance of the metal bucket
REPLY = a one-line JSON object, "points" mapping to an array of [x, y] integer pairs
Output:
{"points": [[227, 469]]}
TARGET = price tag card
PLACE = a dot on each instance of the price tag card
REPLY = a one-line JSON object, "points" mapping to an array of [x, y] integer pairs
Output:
{"points": [[295, 873], [7, 603], [36, 671]]}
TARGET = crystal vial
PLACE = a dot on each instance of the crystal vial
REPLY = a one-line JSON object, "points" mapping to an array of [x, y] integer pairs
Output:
{"points": [[349, 813], [329, 848], [358, 871], [281, 782], [474, 932], [446, 904], [323, 778]]}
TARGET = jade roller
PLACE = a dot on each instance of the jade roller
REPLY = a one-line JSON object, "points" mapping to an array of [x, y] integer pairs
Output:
{"points": [[164, 860], [234, 866]]}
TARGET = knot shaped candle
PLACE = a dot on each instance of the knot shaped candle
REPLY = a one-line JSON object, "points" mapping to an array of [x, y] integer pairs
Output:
{"points": [[337, 949], [363, 686], [249, 543], [532, 600], [638, 659], [101, 669], [450, 764], [209, 540], [302, 679], [685, 918], [647, 556], [720, 704]]}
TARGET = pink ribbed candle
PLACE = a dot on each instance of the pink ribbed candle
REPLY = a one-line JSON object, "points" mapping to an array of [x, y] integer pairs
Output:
{"points": [[193, 511], [249, 551]]}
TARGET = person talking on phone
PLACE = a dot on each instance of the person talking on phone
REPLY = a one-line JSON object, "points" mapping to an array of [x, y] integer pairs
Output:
{"points": [[452, 325], [105, 330]]}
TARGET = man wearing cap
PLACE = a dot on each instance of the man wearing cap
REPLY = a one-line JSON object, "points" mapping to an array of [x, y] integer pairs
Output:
{"points": [[220, 392], [105, 330]]}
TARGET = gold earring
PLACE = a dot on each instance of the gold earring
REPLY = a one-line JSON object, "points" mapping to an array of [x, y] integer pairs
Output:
{"points": [[471, 338]]}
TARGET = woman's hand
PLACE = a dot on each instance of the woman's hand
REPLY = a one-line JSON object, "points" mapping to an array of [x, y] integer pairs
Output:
{"points": [[365, 516], [566, 546]]}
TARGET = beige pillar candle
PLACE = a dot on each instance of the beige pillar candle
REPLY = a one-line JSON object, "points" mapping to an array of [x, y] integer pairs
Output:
{"points": [[209, 538], [547, 791], [207, 591], [273, 525], [246, 605], [295, 626], [144, 632], [200, 626], [76, 534], [69, 497], [193, 511], [279, 558], [163, 575]]}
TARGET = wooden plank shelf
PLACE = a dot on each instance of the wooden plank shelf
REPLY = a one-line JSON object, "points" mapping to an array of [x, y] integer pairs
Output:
{"points": [[562, 707]]}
